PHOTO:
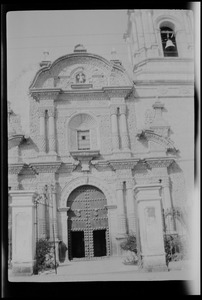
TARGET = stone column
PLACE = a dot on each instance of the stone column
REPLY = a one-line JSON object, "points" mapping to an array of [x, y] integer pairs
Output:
{"points": [[23, 231], [114, 128], [42, 131], [138, 17], [123, 128], [52, 141], [145, 21], [167, 205], [130, 205], [159, 170], [129, 48], [64, 220], [53, 213], [121, 210]]}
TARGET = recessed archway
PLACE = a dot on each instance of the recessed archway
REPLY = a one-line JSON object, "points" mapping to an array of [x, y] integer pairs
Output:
{"points": [[88, 231]]}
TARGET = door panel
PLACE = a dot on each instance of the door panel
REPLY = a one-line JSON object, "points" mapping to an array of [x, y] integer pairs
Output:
{"points": [[88, 214]]}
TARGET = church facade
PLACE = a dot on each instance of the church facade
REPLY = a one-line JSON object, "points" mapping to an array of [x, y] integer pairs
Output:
{"points": [[100, 162]]}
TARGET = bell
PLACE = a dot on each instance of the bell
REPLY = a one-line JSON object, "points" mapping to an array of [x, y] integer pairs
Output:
{"points": [[169, 43]]}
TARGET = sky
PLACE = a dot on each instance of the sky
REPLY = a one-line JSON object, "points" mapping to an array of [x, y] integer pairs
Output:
{"points": [[30, 33]]}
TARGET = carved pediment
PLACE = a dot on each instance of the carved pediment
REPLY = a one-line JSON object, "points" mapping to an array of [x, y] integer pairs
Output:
{"points": [[161, 141], [80, 68]]}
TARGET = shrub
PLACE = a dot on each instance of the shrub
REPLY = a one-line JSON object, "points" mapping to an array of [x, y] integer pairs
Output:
{"points": [[175, 247], [130, 245], [44, 256]]}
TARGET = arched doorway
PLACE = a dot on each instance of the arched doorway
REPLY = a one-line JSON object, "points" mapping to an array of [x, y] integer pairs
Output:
{"points": [[88, 231]]}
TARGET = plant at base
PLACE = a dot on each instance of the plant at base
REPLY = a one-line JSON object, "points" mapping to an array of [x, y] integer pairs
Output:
{"points": [[44, 256], [130, 245]]}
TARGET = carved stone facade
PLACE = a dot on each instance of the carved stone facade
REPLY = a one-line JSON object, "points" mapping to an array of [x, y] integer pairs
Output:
{"points": [[91, 126]]}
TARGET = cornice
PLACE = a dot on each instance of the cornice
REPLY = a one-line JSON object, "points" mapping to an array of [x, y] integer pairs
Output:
{"points": [[44, 94], [122, 164], [51, 167], [15, 168], [162, 162]]}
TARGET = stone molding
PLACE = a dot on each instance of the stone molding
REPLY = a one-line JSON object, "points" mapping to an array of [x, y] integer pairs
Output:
{"points": [[159, 162], [41, 112], [87, 180], [150, 135], [51, 111], [16, 168], [122, 164], [51, 167], [44, 94]]}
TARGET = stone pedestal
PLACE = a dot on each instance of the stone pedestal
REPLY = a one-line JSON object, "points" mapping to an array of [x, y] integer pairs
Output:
{"points": [[150, 227], [23, 232]]}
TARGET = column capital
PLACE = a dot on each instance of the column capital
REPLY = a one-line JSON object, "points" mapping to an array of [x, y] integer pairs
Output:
{"points": [[113, 109], [119, 185], [122, 109], [41, 111], [51, 111], [130, 183]]}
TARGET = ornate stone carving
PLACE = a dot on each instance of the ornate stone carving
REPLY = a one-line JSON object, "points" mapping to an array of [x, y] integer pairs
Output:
{"points": [[52, 143], [45, 94], [122, 109], [159, 163], [51, 111], [122, 164], [41, 111], [15, 168], [51, 167], [113, 109], [42, 143]]}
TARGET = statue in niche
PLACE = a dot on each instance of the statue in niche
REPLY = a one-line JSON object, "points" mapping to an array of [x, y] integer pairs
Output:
{"points": [[80, 78]]}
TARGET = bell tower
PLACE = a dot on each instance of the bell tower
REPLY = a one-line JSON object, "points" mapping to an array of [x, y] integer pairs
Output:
{"points": [[160, 44]]}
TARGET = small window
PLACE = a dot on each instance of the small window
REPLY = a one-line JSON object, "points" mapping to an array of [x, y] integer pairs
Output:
{"points": [[168, 42], [83, 138]]}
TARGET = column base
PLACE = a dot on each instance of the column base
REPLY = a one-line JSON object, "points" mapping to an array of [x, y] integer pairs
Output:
{"points": [[154, 263], [22, 268]]}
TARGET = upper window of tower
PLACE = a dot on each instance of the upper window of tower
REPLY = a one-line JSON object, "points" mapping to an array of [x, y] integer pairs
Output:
{"points": [[168, 42]]}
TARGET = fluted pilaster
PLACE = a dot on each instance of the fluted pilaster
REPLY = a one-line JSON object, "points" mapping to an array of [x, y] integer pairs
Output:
{"points": [[42, 131], [114, 128], [123, 128], [120, 206], [51, 138]]}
